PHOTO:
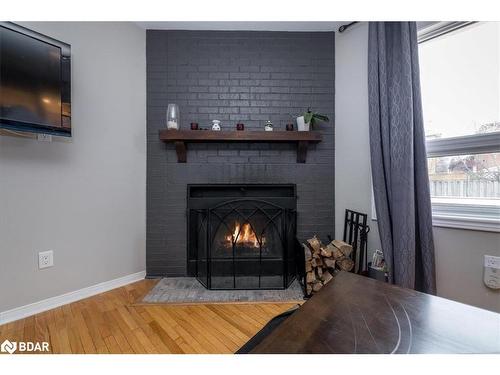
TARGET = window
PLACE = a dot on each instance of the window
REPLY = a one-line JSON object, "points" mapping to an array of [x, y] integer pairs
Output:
{"points": [[460, 80]]}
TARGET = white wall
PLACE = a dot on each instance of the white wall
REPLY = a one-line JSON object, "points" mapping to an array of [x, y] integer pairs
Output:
{"points": [[459, 253], [352, 144], [83, 199]]}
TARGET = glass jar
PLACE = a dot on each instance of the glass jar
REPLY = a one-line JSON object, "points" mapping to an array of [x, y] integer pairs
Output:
{"points": [[173, 117]]}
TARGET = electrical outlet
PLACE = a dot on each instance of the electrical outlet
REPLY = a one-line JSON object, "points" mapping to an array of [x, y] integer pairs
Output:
{"points": [[492, 261], [492, 271], [45, 259], [44, 137]]}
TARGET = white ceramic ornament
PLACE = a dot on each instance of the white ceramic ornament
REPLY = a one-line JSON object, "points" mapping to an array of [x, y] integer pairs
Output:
{"points": [[216, 125]]}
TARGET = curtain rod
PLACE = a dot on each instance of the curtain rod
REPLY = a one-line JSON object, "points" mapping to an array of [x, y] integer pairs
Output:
{"points": [[346, 26]]}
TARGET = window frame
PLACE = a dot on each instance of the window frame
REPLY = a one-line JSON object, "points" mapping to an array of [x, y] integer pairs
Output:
{"points": [[476, 214]]}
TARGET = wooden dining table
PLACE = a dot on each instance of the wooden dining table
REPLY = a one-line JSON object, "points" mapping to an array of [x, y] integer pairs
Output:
{"points": [[356, 314]]}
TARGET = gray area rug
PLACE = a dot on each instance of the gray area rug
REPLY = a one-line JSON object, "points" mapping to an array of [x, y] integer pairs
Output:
{"points": [[187, 290]]}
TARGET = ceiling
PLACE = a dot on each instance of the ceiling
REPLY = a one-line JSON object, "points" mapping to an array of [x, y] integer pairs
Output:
{"points": [[241, 25]]}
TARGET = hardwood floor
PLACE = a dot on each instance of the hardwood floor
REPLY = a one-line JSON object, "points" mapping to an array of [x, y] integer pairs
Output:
{"points": [[111, 323]]}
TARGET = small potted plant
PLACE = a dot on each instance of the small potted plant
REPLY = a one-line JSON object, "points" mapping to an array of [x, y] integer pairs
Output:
{"points": [[309, 119]]}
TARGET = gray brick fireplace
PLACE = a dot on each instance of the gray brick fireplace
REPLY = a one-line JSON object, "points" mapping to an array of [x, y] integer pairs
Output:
{"points": [[247, 77]]}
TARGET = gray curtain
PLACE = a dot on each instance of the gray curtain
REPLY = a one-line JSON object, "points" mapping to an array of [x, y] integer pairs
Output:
{"points": [[398, 156]]}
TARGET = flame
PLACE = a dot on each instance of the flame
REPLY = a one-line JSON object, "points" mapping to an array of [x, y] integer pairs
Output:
{"points": [[244, 235]]}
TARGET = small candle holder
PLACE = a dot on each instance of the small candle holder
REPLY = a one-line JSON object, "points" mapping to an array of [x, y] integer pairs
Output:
{"points": [[194, 126], [240, 126], [289, 127]]}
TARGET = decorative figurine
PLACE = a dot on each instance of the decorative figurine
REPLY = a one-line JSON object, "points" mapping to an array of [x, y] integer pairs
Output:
{"points": [[216, 125], [269, 126]]}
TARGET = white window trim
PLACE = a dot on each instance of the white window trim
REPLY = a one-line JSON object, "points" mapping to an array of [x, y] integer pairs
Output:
{"points": [[436, 29], [473, 214], [469, 144], [476, 214]]}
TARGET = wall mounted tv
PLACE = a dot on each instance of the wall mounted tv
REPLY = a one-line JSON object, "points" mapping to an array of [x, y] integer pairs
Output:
{"points": [[35, 82]]}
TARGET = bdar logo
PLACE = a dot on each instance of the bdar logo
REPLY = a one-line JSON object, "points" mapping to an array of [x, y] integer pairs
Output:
{"points": [[24, 346], [9, 347]]}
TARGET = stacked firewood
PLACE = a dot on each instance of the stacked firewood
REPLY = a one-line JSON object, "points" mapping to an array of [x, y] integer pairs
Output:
{"points": [[321, 262]]}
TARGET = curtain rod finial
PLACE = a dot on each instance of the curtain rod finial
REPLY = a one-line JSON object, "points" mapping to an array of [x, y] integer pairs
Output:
{"points": [[346, 26]]}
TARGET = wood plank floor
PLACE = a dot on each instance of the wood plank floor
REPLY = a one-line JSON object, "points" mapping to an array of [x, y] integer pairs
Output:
{"points": [[111, 322]]}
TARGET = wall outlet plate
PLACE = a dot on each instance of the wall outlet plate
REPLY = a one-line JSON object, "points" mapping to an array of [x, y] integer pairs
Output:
{"points": [[492, 261], [45, 259], [492, 271], [44, 137]]}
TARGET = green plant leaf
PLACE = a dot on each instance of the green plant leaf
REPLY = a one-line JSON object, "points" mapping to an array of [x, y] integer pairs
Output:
{"points": [[308, 116], [321, 117]]}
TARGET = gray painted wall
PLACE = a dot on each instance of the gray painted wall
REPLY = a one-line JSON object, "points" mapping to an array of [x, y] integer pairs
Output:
{"points": [[459, 253], [83, 199], [459, 266], [235, 76]]}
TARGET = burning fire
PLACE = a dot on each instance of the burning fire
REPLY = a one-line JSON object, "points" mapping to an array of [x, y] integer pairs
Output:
{"points": [[244, 235]]}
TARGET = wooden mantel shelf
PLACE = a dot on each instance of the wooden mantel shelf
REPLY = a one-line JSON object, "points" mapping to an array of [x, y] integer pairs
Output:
{"points": [[181, 137]]}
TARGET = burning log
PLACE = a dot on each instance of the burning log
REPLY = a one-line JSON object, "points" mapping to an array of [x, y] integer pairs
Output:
{"points": [[243, 235], [321, 262]]}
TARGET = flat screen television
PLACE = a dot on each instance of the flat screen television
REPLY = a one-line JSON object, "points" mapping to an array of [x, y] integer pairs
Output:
{"points": [[35, 82]]}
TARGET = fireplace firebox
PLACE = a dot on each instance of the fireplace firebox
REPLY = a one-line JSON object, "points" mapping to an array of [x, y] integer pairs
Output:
{"points": [[242, 236]]}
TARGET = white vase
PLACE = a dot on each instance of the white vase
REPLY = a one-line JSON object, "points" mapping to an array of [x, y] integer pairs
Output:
{"points": [[302, 126]]}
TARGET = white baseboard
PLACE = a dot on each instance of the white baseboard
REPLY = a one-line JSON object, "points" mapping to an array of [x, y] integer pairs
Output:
{"points": [[53, 302]]}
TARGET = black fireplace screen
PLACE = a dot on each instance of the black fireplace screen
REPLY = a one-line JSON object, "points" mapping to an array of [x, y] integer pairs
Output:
{"points": [[239, 238]]}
